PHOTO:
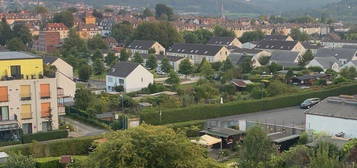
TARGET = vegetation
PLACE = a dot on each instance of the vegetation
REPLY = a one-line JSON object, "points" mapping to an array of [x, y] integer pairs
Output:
{"points": [[148, 146], [252, 36], [19, 161]]}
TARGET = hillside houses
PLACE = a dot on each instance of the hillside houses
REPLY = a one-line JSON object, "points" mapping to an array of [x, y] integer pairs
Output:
{"points": [[276, 45], [197, 52], [144, 46]]}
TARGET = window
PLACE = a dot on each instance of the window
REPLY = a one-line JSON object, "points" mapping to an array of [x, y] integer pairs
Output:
{"points": [[46, 126], [16, 71], [26, 111], [45, 91], [110, 79], [27, 128], [45, 109], [25, 92], [3, 94], [4, 113], [121, 81]]}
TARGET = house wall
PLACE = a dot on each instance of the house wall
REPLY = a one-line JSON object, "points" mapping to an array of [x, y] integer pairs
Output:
{"points": [[256, 57], [64, 77], [138, 79], [236, 43], [14, 102], [331, 125], [28, 66], [158, 48], [314, 63], [299, 48]]}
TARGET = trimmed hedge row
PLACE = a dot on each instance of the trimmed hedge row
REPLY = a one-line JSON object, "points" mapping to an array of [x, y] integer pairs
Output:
{"points": [[45, 136], [85, 118], [53, 162], [202, 112], [190, 128], [70, 146]]}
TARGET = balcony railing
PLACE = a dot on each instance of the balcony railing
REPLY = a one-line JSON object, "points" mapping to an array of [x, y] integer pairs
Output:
{"points": [[45, 95], [26, 77]]}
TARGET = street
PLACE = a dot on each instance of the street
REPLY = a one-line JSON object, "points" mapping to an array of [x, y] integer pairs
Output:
{"points": [[83, 129], [291, 116]]}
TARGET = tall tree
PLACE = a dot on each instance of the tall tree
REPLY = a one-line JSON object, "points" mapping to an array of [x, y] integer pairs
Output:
{"points": [[65, 17], [147, 146], [185, 67], [22, 32], [151, 63], [98, 66], [206, 69], [297, 35], [5, 32], [164, 12], [165, 65], [97, 55], [15, 44], [222, 32], [97, 43], [349, 73], [84, 72], [306, 58], [122, 31], [173, 78], [124, 55], [138, 58], [256, 148], [110, 60], [227, 64], [162, 32], [147, 13], [84, 99], [252, 36]]}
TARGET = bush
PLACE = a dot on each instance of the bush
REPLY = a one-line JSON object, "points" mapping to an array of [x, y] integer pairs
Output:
{"points": [[45, 136], [190, 128], [73, 146], [202, 112], [52, 162], [81, 116]]}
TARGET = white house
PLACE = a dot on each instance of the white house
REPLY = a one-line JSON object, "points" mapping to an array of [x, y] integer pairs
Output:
{"points": [[325, 63], [334, 116], [132, 76]]}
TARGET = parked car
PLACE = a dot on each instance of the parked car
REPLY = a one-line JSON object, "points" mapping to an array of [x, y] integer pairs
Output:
{"points": [[308, 103]]}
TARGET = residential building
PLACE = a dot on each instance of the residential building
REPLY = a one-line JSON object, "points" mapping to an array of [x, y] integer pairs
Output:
{"points": [[64, 77], [28, 98], [250, 44], [174, 61], [90, 19], [285, 58], [143, 47], [278, 37], [255, 54], [58, 27], [47, 42], [131, 76], [197, 52], [225, 41], [308, 80], [325, 63], [329, 43], [343, 55], [350, 64], [275, 45], [336, 116], [88, 31]]}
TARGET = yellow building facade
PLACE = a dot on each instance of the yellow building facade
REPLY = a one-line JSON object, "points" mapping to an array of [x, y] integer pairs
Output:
{"points": [[25, 68]]}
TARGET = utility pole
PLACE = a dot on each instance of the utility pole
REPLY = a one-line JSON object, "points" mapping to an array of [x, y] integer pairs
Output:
{"points": [[222, 10]]}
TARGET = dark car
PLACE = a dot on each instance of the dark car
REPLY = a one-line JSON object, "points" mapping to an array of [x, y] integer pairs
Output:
{"points": [[308, 103]]}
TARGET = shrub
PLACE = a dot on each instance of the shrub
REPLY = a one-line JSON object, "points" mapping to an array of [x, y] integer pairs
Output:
{"points": [[201, 112], [52, 162], [45, 136], [73, 146]]}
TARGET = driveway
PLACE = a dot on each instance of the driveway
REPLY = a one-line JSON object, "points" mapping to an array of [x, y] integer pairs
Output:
{"points": [[81, 129], [291, 116]]}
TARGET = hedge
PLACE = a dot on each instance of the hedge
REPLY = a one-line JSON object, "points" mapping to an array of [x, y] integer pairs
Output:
{"points": [[69, 146], [83, 117], [45, 136], [190, 128], [53, 162], [202, 112]]}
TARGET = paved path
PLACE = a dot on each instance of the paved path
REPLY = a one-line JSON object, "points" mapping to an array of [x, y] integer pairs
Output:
{"points": [[83, 129], [291, 116]]}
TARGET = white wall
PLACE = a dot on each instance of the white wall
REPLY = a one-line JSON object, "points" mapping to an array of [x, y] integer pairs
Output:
{"points": [[331, 125], [138, 79]]}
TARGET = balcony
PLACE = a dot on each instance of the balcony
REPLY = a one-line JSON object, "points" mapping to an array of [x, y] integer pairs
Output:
{"points": [[60, 93], [9, 125], [61, 109], [46, 114], [26, 77]]}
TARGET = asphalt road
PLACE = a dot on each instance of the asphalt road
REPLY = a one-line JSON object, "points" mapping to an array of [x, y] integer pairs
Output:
{"points": [[291, 116], [83, 129]]}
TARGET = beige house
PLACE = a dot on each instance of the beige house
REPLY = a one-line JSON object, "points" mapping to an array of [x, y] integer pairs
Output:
{"points": [[225, 41], [276, 45], [143, 47], [196, 52], [64, 76], [58, 27]]}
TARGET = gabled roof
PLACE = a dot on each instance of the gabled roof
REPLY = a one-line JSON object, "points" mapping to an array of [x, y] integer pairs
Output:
{"points": [[336, 107], [161, 57], [276, 45], [339, 53], [222, 132], [123, 69], [11, 55], [220, 41], [196, 49], [326, 62], [276, 37], [246, 51], [141, 44], [284, 58], [49, 59]]}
